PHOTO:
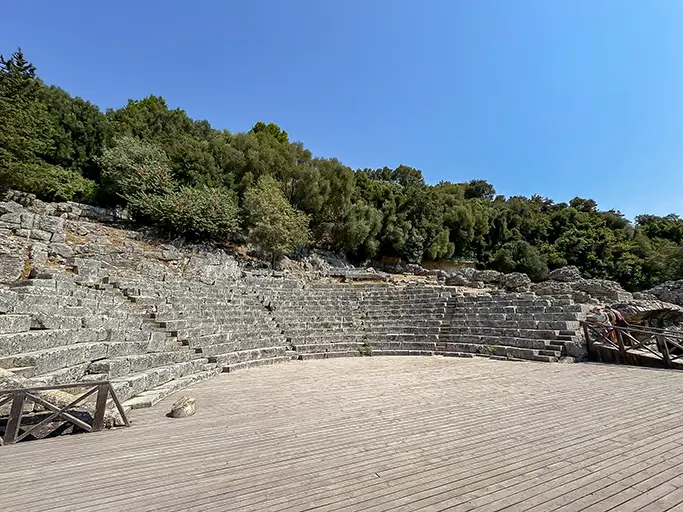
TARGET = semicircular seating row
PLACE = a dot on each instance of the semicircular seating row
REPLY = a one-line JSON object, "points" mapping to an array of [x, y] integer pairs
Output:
{"points": [[152, 338]]}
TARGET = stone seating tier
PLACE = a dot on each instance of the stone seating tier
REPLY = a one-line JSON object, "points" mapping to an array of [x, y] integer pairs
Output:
{"points": [[152, 338]]}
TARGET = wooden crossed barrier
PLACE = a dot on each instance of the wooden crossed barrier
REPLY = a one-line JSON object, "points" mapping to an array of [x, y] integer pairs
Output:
{"points": [[628, 339], [19, 397]]}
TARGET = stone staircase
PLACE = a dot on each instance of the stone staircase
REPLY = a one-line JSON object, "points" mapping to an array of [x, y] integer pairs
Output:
{"points": [[342, 320], [511, 326], [226, 323], [65, 331]]}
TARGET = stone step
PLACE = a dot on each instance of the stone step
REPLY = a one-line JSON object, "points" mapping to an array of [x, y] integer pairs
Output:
{"points": [[543, 334], [233, 356], [153, 396], [132, 385], [23, 371], [399, 352], [543, 317], [550, 353], [307, 348], [10, 323], [401, 329], [454, 354], [31, 341], [243, 340], [323, 337], [526, 343], [56, 358], [564, 327], [327, 355], [233, 367]]}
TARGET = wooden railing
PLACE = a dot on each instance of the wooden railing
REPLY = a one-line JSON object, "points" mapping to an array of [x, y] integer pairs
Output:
{"points": [[668, 345], [60, 413]]}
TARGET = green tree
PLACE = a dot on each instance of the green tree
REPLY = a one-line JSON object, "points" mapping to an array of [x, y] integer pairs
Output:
{"points": [[520, 256], [273, 130], [26, 138], [274, 226]]}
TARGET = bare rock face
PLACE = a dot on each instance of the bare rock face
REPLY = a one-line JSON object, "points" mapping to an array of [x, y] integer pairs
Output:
{"points": [[577, 350], [457, 280], [487, 276], [670, 291], [184, 407], [565, 274], [552, 288], [516, 281], [603, 288]]}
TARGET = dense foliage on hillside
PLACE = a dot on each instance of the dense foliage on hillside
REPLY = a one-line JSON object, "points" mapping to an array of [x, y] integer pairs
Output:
{"points": [[193, 180]]}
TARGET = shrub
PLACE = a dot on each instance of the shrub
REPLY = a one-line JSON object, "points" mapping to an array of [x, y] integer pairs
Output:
{"points": [[195, 212]]}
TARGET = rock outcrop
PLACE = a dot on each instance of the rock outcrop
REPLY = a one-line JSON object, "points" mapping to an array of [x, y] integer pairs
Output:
{"points": [[670, 291], [565, 274]]}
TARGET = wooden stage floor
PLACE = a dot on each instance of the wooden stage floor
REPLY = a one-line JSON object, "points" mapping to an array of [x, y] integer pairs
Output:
{"points": [[382, 433]]}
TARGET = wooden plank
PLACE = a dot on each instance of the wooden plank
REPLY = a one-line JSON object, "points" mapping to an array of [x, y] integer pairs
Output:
{"points": [[56, 386], [377, 434]]}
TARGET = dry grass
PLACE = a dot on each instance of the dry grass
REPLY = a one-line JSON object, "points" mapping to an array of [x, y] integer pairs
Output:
{"points": [[75, 239]]}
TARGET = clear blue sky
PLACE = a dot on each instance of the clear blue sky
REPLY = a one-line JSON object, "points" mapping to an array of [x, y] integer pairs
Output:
{"points": [[554, 97]]}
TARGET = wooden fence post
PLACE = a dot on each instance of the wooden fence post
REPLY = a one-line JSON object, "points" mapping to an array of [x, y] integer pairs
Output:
{"points": [[100, 407], [664, 349], [622, 347], [15, 418], [589, 342]]}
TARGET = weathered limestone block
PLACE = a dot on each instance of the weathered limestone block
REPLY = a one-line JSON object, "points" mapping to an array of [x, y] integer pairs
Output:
{"points": [[51, 224], [87, 269], [183, 407], [457, 280], [487, 276], [11, 267], [565, 274], [38, 253], [12, 218], [8, 300], [39, 234], [602, 288], [10, 207], [576, 349], [54, 321], [60, 249], [58, 238], [552, 288], [670, 291], [517, 281], [28, 220], [14, 323], [97, 213]]}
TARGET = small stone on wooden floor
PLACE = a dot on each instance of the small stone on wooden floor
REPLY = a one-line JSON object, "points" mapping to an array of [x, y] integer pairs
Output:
{"points": [[184, 407]]}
